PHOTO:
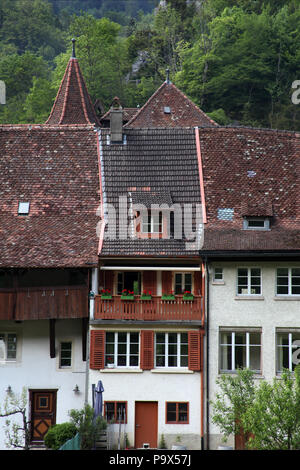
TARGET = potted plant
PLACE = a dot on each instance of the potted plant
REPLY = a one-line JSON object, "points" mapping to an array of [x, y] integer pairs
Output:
{"points": [[127, 295], [106, 294], [110, 362], [188, 295], [146, 295], [169, 296]]}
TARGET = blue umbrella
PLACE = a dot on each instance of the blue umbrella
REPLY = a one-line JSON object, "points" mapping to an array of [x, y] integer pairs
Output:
{"points": [[98, 399]]}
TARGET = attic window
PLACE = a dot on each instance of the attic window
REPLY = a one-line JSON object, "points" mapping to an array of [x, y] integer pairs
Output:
{"points": [[225, 214], [167, 110], [23, 208], [256, 223]]}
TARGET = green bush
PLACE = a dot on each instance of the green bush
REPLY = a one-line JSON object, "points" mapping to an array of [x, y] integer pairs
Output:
{"points": [[59, 434], [88, 427]]}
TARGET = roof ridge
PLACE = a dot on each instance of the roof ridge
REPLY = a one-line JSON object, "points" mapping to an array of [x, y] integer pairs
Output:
{"points": [[149, 100]]}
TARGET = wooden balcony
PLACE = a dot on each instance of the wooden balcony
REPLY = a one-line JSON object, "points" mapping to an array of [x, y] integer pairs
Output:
{"points": [[155, 309], [44, 303]]}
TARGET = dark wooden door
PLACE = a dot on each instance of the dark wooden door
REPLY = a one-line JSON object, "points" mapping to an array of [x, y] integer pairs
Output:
{"points": [[146, 423], [43, 413]]}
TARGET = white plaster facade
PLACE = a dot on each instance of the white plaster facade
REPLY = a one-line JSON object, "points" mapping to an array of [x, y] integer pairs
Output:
{"points": [[34, 369], [157, 385], [266, 312]]}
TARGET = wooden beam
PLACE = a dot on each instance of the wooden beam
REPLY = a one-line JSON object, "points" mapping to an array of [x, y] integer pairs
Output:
{"points": [[52, 338]]}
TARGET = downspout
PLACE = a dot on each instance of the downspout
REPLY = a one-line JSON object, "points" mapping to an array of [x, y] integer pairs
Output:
{"points": [[207, 357]]}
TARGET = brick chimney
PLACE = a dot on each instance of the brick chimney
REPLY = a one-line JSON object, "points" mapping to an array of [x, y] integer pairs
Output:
{"points": [[116, 122]]}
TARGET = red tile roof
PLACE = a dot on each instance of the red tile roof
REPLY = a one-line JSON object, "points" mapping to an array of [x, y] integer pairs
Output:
{"points": [[251, 172], [72, 104], [55, 168], [183, 112]]}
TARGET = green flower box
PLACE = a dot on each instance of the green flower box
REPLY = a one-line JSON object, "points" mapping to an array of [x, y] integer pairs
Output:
{"points": [[146, 297], [188, 297], [127, 297], [168, 297], [106, 296]]}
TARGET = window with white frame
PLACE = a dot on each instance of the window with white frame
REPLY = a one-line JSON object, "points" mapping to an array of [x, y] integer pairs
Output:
{"points": [[256, 223], [288, 350], [288, 281], [152, 222], [8, 347], [122, 349], [182, 283], [218, 274], [240, 349], [171, 350], [249, 281], [65, 354]]}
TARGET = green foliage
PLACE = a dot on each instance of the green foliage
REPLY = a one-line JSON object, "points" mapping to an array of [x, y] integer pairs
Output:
{"points": [[273, 418], [58, 434], [235, 396], [87, 426], [219, 116]]}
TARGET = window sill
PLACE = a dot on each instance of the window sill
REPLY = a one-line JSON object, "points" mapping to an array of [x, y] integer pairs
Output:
{"points": [[287, 297], [218, 283], [118, 371], [249, 297], [172, 371]]}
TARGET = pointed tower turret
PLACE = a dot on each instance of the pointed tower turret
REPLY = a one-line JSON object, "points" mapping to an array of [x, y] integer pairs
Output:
{"points": [[72, 104]]}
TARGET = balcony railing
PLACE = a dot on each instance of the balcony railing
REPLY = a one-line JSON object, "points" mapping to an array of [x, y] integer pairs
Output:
{"points": [[150, 310], [44, 303]]}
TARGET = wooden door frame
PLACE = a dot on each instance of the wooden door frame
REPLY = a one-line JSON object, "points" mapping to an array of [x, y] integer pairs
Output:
{"points": [[32, 391], [145, 401]]}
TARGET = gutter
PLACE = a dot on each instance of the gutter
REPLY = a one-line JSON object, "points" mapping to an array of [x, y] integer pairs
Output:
{"points": [[201, 180]]}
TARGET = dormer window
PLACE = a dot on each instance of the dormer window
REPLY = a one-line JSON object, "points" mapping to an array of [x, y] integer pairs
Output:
{"points": [[256, 223], [152, 222], [23, 208]]}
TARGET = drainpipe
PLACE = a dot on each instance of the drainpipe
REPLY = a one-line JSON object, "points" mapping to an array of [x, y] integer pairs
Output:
{"points": [[207, 356]]}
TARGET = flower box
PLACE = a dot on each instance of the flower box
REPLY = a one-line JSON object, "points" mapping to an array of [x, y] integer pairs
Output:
{"points": [[127, 297], [146, 297], [106, 294], [168, 297], [188, 296]]}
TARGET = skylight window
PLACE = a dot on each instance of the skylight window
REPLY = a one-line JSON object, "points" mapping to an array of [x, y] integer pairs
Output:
{"points": [[23, 208], [167, 110], [256, 223]]}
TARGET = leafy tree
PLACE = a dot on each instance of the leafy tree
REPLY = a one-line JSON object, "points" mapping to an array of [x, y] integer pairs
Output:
{"points": [[87, 426], [274, 415], [235, 396], [39, 101], [17, 433]]}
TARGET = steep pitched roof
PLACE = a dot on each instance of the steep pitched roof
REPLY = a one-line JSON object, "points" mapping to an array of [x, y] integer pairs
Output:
{"points": [[251, 172], [72, 104], [55, 169], [154, 165], [183, 112]]}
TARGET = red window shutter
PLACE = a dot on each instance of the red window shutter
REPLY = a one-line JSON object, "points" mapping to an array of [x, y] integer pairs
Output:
{"points": [[97, 348], [149, 281], [166, 279], [195, 350], [197, 283], [147, 349], [109, 280]]}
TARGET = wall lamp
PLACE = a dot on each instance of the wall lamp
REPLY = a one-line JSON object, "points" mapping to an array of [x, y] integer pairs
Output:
{"points": [[76, 389]]}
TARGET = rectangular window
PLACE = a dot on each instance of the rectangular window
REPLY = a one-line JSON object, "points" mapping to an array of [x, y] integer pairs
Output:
{"points": [[177, 413], [288, 281], [240, 350], [115, 411], [8, 347], [256, 223], [249, 281], [122, 349], [182, 283], [129, 280], [171, 350], [152, 222], [288, 350], [65, 356], [218, 274]]}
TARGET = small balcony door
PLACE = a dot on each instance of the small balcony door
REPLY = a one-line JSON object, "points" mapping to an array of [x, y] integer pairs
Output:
{"points": [[130, 280]]}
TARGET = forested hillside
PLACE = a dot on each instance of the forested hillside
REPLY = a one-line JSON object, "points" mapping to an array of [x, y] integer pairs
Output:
{"points": [[236, 59]]}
